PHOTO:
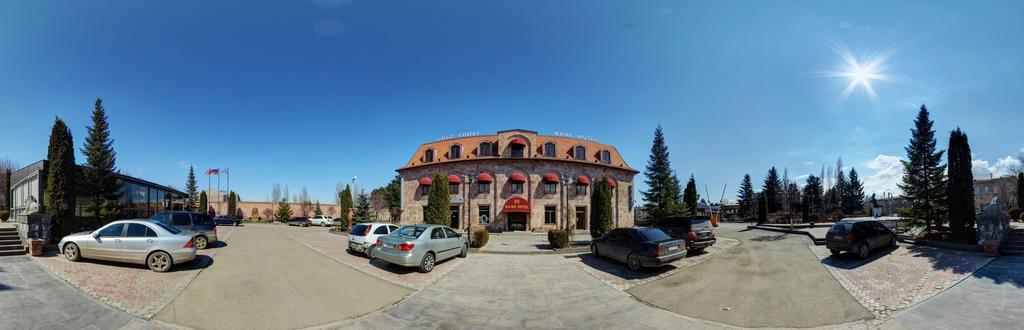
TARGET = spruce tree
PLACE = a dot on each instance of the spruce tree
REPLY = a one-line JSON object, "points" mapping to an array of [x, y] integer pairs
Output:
{"points": [[839, 190], [960, 188], [190, 189], [438, 210], [232, 202], [202, 202], [690, 197], [853, 195], [284, 211], [601, 209], [364, 213], [345, 205], [813, 194], [393, 198], [59, 197], [772, 190], [662, 196], [746, 198], [102, 185], [924, 175]]}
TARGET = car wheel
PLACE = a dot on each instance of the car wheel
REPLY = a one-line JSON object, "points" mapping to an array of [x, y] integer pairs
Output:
{"points": [[71, 252], [159, 261], [427, 264], [465, 251], [201, 242], [893, 243], [835, 252], [593, 250], [863, 251], [369, 251], [633, 262]]}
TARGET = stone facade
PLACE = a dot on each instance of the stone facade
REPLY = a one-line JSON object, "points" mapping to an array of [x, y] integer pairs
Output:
{"points": [[477, 203], [1003, 188]]}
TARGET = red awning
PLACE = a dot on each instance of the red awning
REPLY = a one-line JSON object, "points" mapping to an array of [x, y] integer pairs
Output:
{"points": [[425, 182], [484, 177], [582, 180], [454, 179], [516, 205], [518, 141], [551, 177], [611, 182], [517, 177]]}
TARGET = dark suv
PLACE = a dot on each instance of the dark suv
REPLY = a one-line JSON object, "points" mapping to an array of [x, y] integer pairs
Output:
{"points": [[200, 225], [696, 230], [860, 236]]}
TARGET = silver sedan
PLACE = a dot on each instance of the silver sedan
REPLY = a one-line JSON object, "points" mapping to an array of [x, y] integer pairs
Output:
{"points": [[133, 241], [421, 246]]}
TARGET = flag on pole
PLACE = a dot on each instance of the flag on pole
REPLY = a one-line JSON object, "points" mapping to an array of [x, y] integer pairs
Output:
{"points": [[213, 171]]}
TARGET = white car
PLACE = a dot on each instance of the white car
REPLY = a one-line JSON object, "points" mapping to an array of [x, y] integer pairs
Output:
{"points": [[363, 237], [322, 220]]}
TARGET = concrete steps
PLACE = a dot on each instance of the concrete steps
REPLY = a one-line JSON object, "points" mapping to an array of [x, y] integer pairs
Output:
{"points": [[1014, 244], [10, 242]]}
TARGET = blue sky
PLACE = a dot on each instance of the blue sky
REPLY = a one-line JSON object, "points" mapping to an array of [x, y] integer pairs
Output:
{"points": [[315, 92]]}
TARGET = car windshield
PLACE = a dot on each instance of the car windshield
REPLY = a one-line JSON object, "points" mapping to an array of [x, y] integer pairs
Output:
{"points": [[653, 235], [840, 228], [410, 231], [170, 229], [700, 224]]}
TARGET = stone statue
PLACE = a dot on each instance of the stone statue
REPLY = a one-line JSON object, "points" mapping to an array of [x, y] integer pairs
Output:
{"points": [[993, 226]]}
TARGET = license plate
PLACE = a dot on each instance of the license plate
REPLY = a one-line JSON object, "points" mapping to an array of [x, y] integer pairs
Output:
{"points": [[837, 237], [673, 248], [385, 245]]}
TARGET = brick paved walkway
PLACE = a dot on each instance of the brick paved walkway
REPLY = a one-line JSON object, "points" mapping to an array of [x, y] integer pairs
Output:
{"points": [[894, 279], [134, 289], [617, 275], [335, 246]]}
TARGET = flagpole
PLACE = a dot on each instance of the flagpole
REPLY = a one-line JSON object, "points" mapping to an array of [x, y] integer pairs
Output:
{"points": [[209, 181], [220, 196]]}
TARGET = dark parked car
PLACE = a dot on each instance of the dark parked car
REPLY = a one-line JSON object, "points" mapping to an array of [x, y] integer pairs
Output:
{"points": [[859, 236], [639, 247], [696, 230], [200, 225], [299, 221], [223, 219]]}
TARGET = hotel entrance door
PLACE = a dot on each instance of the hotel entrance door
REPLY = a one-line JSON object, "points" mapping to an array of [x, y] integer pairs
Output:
{"points": [[517, 221], [455, 217]]}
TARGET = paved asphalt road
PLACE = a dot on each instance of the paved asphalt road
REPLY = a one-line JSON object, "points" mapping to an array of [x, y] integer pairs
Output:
{"points": [[31, 297], [770, 280], [993, 298], [264, 280]]}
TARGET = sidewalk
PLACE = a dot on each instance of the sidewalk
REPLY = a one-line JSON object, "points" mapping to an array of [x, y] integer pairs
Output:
{"points": [[816, 234], [532, 243]]}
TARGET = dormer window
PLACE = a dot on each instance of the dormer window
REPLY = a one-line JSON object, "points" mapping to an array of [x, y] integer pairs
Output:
{"points": [[485, 149], [580, 153], [516, 151], [549, 149], [455, 152], [428, 156], [606, 157]]}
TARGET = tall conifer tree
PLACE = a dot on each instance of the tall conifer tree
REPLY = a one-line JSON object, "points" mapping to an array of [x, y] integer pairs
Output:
{"points": [[662, 196], [746, 198], [601, 209], [960, 190], [101, 183], [853, 195], [203, 201], [772, 190], [190, 189], [813, 194], [345, 205], [924, 175], [690, 197], [438, 210], [59, 197]]}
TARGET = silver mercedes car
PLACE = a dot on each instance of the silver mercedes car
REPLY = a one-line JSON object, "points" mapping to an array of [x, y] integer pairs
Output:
{"points": [[153, 244], [421, 246]]}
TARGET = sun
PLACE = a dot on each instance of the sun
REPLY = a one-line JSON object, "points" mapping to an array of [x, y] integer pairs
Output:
{"points": [[860, 73]]}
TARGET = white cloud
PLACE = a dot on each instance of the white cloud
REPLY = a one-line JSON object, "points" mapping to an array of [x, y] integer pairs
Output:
{"points": [[982, 169], [888, 171]]}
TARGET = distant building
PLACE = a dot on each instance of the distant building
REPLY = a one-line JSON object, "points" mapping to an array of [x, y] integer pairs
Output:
{"points": [[1003, 188], [140, 198]]}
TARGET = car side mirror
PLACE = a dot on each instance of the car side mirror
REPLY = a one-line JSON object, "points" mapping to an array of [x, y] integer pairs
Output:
{"points": [[96, 234]]}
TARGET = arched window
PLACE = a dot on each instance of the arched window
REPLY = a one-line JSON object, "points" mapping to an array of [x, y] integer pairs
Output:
{"points": [[455, 152], [485, 149], [428, 156], [580, 153], [606, 157], [549, 149]]}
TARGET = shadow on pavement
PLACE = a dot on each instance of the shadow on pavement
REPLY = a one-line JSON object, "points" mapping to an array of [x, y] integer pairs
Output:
{"points": [[400, 270], [200, 262], [849, 260], [4, 287], [943, 259], [620, 270], [1004, 270], [216, 245], [769, 238]]}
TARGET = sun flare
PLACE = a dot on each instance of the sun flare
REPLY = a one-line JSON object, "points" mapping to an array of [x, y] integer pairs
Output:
{"points": [[860, 73]]}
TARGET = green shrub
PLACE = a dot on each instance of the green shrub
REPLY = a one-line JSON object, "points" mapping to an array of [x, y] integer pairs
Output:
{"points": [[1015, 212], [4, 215], [558, 238], [480, 237]]}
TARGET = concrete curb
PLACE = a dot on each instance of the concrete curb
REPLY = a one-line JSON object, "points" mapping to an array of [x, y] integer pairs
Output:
{"points": [[816, 241]]}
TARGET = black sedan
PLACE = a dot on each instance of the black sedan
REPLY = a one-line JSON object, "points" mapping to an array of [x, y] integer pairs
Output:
{"points": [[639, 247], [226, 220], [299, 221], [696, 230], [859, 236]]}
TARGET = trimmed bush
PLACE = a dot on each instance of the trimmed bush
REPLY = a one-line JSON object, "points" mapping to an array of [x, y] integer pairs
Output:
{"points": [[1015, 212], [4, 215], [558, 238], [480, 237]]}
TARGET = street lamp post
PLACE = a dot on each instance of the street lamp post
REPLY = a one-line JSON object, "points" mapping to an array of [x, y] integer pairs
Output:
{"points": [[565, 181]]}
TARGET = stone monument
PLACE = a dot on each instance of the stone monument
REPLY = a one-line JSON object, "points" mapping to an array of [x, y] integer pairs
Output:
{"points": [[993, 227]]}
